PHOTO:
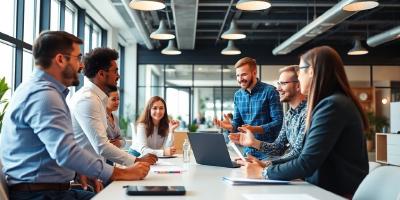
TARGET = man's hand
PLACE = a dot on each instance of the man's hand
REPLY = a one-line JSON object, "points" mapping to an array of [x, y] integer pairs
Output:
{"points": [[223, 124], [149, 158], [137, 171], [245, 139], [169, 151], [253, 129], [95, 183]]}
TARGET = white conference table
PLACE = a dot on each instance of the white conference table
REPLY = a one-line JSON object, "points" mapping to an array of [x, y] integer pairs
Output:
{"points": [[202, 182]]}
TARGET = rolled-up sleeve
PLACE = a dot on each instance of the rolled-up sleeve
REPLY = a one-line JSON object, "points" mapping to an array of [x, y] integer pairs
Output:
{"points": [[89, 117]]}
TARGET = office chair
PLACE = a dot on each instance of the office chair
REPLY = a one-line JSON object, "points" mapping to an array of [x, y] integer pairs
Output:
{"points": [[373, 166], [381, 183]]}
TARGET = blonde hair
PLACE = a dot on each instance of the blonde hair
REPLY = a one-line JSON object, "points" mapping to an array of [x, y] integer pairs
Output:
{"points": [[290, 68]]}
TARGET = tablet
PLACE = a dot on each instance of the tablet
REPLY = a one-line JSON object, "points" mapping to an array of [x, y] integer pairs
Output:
{"points": [[155, 190], [237, 151]]}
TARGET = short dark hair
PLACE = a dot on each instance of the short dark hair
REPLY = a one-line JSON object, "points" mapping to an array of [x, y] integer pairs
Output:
{"points": [[51, 43], [112, 89], [98, 59]]}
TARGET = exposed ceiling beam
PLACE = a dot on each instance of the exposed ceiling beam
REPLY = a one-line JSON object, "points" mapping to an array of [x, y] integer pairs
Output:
{"points": [[292, 21], [281, 31], [185, 19], [290, 4]]}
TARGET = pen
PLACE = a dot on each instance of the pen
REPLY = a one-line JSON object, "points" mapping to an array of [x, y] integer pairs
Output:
{"points": [[167, 172]]}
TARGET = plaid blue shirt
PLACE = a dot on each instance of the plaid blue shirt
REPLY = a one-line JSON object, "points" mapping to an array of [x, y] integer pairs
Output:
{"points": [[262, 108]]}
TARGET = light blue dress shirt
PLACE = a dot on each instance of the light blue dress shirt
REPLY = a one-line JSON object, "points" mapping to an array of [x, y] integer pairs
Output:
{"points": [[37, 143]]}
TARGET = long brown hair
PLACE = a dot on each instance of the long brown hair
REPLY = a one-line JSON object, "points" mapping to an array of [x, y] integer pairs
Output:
{"points": [[329, 77], [145, 118]]}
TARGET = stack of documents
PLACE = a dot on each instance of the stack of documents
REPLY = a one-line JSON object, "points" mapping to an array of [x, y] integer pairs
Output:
{"points": [[248, 181]]}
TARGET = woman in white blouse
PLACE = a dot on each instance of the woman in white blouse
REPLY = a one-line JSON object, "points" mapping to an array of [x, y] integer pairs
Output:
{"points": [[155, 130]]}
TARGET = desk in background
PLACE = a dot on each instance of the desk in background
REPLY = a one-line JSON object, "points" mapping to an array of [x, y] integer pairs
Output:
{"points": [[205, 183]]}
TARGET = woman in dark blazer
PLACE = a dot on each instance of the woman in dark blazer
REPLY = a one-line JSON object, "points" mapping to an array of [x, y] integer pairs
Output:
{"points": [[334, 155]]}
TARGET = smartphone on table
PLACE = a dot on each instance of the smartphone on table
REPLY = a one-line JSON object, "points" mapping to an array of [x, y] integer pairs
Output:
{"points": [[134, 190]]}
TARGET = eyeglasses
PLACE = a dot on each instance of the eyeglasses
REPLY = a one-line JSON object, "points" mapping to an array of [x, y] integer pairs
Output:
{"points": [[304, 66], [283, 83], [78, 57]]}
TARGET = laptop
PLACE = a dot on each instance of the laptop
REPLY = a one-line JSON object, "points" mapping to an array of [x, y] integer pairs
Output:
{"points": [[211, 149]]}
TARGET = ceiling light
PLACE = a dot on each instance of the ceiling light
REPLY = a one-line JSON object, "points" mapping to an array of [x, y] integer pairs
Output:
{"points": [[358, 49], [171, 49], [147, 5], [253, 5], [231, 49], [162, 32], [233, 33], [360, 5]]}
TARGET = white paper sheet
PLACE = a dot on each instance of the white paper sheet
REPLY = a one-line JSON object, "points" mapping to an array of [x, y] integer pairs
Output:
{"points": [[279, 196]]}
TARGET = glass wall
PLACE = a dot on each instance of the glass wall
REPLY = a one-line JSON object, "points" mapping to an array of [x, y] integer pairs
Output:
{"points": [[194, 94], [16, 42]]}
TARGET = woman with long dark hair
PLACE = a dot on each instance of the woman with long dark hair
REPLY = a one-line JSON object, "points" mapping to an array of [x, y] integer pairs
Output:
{"points": [[154, 130], [334, 155]]}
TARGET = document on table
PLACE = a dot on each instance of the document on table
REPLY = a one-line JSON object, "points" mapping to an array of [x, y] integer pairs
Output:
{"points": [[166, 169], [248, 181], [279, 196]]}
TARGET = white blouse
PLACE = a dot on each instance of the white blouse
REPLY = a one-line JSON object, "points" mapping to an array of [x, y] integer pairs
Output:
{"points": [[153, 144]]}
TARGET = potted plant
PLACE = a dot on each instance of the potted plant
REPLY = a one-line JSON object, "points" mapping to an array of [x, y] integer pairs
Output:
{"points": [[3, 102], [376, 124]]}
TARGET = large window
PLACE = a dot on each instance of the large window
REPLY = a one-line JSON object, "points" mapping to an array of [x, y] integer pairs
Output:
{"points": [[16, 41], [55, 15], [7, 54], [7, 24], [70, 19]]}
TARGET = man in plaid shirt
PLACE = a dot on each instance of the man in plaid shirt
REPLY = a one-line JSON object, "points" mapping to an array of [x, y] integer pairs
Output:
{"points": [[256, 106]]}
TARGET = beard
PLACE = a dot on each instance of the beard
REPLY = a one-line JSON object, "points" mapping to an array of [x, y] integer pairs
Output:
{"points": [[288, 97], [249, 83], [69, 73]]}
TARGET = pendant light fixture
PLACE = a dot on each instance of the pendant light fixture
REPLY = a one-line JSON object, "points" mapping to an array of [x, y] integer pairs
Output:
{"points": [[162, 32], [360, 5], [233, 33], [147, 5], [231, 49], [251, 5], [358, 49], [171, 49]]}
